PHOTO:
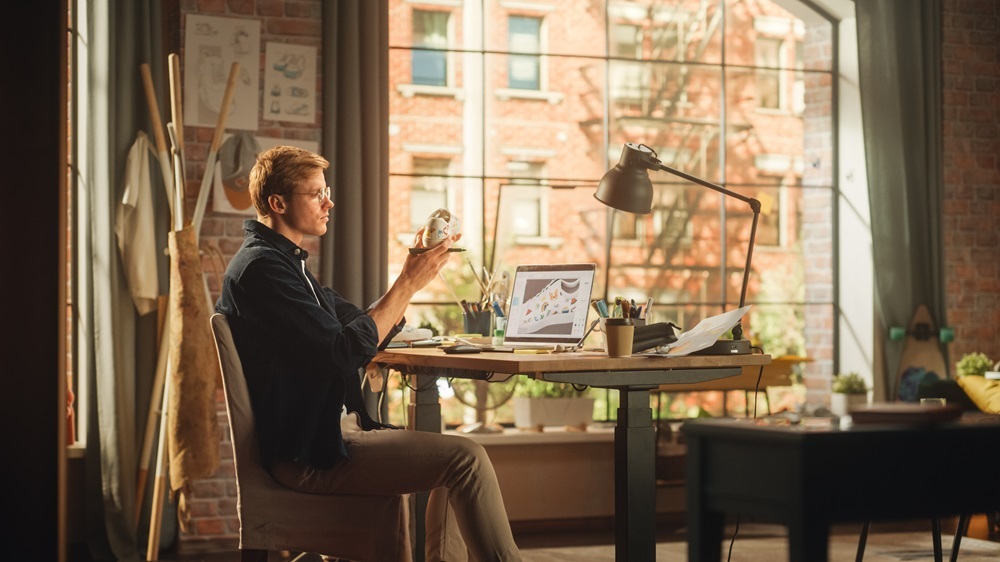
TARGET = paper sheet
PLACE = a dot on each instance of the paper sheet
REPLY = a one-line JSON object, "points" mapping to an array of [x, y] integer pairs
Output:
{"points": [[703, 335]]}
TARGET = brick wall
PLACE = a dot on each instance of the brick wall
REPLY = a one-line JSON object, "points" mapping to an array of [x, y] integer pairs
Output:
{"points": [[971, 115], [213, 505]]}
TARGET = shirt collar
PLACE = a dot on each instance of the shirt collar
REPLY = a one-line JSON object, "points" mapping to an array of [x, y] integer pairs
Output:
{"points": [[256, 228]]}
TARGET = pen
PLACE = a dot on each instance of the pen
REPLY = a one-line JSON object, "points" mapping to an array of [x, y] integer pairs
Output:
{"points": [[531, 351], [603, 308]]}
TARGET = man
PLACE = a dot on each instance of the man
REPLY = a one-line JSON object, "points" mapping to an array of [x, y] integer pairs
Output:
{"points": [[302, 345]]}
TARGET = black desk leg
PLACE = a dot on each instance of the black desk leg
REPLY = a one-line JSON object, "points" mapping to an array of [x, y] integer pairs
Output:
{"points": [[863, 540], [705, 527], [635, 478], [425, 413], [808, 541], [936, 536]]}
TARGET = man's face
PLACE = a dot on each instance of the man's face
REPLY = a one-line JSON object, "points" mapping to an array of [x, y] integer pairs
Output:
{"points": [[308, 206]]}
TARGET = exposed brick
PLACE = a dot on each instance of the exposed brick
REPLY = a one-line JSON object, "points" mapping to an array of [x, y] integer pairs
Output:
{"points": [[211, 6]]}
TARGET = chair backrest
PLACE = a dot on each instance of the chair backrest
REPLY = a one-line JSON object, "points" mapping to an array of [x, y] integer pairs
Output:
{"points": [[242, 430], [273, 517]]}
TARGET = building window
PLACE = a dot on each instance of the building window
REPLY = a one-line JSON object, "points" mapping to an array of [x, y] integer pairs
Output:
{"points": [[628, 80], [524, 36], [526, 206], [428, 190], [430, 31], [767, 56]]}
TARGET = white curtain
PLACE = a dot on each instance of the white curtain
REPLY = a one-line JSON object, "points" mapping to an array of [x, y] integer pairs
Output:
{"points": [[115, 347]]}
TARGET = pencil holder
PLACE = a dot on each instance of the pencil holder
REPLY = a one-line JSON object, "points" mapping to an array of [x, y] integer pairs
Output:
{"points": [[478, 322]]}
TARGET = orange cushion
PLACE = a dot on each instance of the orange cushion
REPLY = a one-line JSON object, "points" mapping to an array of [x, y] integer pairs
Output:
{"points": [[985, 393]]}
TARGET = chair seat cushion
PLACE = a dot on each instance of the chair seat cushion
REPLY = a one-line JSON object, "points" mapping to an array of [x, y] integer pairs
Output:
{"points": [[984, 392]]}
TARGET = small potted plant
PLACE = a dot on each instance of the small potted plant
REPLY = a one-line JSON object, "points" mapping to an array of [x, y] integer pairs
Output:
{"points": [[849, 392], [538, 404], [974, 364]]}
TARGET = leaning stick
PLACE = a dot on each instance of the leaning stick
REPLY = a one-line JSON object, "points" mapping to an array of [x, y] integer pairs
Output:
{"points": [[177, 138], [213, 150], [152, 415], [176, 110], [166, 168], [160, 482]]}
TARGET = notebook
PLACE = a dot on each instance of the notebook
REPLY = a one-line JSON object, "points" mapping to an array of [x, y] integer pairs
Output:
{"points": [[549, 305]]}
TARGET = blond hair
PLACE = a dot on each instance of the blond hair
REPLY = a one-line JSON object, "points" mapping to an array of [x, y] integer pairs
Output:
{"points": [[278, 170]]}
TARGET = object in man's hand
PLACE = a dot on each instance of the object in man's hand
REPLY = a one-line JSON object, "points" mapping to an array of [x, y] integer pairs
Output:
{"points": [[422, 250], [440, 226]]}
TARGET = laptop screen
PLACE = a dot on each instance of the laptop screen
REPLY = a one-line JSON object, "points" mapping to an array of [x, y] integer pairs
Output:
{"points": [[549, 303]]}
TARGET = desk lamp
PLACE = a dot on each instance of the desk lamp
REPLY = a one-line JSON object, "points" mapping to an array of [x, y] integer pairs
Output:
{"points": [[626, 187]]}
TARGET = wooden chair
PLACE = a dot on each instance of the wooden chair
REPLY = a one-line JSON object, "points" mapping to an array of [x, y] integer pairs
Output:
{"points": [[273, 517]]}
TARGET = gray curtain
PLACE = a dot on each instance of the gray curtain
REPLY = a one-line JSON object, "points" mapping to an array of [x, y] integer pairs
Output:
{"points": [[116, 348], [355, 141], [899, 52]]}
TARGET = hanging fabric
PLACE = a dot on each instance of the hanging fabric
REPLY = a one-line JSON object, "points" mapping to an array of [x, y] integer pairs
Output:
{"points": [[134, 226], [193, 436]]}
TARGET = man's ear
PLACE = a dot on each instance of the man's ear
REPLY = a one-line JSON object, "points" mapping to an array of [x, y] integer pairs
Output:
{"points": [[276, 203]]}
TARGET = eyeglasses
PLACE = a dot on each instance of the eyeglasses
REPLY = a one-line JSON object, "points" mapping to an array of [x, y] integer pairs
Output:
{"points": [[319, 195]]}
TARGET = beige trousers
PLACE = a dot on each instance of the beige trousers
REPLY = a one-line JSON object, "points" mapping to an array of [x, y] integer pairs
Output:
{"points": [[464, 502]]}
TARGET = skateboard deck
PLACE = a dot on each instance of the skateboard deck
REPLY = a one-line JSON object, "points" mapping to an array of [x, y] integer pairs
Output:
{"points": [[922, 358]]}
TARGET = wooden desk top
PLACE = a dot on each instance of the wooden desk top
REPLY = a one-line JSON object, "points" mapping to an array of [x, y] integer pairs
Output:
{"points": [[557, 362]]}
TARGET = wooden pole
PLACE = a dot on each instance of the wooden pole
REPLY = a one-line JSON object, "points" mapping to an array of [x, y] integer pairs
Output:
{"points": [[160, 481], [166, 168], [213, 150], [154, 413], [176, 130]]}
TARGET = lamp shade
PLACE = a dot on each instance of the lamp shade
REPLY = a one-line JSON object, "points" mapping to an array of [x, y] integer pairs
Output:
{"points": [[626, 187]]}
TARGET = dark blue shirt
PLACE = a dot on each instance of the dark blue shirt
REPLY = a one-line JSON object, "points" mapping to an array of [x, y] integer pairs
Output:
{"points": [[301, 345]]}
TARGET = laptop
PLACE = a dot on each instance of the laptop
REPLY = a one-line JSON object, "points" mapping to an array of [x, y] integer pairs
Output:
{"points": [[549, 305]]}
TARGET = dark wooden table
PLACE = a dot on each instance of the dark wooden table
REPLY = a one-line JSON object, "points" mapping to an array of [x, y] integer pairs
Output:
{"points": [[810, 478], [635, 438]]}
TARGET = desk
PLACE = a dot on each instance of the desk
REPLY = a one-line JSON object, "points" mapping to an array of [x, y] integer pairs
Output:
{"points": [[809, 479], [635, 438]]}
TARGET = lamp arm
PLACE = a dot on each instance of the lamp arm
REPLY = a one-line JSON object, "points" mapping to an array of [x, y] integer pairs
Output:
{"points": [[754, 204], [738, 328]]}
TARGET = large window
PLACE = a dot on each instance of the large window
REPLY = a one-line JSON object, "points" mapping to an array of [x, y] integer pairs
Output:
{"points": [[738, 93]]}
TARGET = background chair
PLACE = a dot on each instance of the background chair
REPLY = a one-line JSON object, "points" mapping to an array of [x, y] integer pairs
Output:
{"points": [[273, 517]]}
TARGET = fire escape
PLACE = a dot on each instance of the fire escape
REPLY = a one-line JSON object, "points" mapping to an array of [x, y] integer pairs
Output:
{"points": [[650, 104]]}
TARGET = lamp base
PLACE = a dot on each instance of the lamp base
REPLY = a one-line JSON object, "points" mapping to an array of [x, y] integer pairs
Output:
{"points": [[726, 347]]}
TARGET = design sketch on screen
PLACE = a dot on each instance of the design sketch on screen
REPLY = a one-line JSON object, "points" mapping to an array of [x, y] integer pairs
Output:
{"points": [[551, 308]]}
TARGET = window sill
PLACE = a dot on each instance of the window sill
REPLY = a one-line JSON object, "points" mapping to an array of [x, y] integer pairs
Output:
{"points": [[507, 94], [596, 433], [75, 451], [410, 90]]}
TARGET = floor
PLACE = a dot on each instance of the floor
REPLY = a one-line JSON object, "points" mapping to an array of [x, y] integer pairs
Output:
{"points": [[908, 541]]}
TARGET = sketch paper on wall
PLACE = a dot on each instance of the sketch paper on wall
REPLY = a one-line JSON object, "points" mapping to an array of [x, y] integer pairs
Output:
{"points": [[237, 155], [211, 44], [290, 83]]}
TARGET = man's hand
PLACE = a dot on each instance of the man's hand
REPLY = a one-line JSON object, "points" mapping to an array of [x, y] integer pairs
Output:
{"points": [[420, 269]]}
